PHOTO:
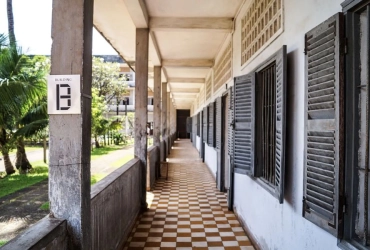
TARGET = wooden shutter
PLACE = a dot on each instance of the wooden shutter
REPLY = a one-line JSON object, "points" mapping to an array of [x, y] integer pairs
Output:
{"points": [[198, 124], [188, 125], [324, 124], [218, 112], [205, 124], [244, 124], [230, 136], [210, 124], [281, 74]]}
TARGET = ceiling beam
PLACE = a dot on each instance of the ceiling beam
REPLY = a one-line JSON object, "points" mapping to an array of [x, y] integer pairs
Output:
{"points": [[186, 90], [188, 63], [186, 80], [138, 12], [215, 24]]}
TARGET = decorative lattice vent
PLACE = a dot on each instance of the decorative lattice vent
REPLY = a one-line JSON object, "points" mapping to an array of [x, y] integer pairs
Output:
{"points": [[202, 97], [223, 68], [208, 87], [261, 24]]}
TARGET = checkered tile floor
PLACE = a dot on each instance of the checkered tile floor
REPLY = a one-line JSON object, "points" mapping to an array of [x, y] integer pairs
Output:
{"points": [[187, 211]]}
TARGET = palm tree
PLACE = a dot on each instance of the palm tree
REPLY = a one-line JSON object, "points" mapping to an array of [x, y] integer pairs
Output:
{"points": [[9, 6], [19, 89]]}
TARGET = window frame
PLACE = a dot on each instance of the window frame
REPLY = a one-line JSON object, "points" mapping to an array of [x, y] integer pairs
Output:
{"points": [[276, 190], [347, 236]]}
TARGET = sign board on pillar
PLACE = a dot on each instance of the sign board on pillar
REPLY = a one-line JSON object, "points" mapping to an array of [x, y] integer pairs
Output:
{"points": [[64, 94]]}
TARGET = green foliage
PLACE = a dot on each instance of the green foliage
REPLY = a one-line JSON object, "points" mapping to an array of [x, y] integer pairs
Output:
{"points": [[45, 206], [22, 97], [15, 182], [3, 242], [97, 152], [107, 80], [98, 107], [117, 137]]}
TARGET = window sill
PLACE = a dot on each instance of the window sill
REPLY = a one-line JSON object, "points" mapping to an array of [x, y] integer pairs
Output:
{"points": [[267, 186], [351, 245]]}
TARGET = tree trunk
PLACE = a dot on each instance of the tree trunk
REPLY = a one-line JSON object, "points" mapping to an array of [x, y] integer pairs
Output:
{"points": [[9, 168], [9, 6], [22, 162], [97, 145]]}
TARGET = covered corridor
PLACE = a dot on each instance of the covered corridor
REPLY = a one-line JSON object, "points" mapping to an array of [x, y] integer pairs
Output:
{"points": [[187, 210]]}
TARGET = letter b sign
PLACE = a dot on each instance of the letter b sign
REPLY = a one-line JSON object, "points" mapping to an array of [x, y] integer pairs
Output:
{"points": [[64, 95]]}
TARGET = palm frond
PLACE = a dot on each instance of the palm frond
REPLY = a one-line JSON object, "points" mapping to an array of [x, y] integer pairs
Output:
{"points": [[32, 128]]}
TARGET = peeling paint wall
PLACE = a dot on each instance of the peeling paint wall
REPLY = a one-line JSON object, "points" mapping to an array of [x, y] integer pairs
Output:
{"points": [[274, 225], [211, 159]]}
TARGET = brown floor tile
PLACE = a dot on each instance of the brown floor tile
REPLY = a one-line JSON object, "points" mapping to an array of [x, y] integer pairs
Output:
{"points": [[189, 193]]}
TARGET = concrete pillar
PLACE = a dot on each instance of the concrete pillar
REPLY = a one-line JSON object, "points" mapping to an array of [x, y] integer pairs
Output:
{"points": [[169, 122], [70, 135], [157, 115], [164, 116], [164, 110], [141, 105]]}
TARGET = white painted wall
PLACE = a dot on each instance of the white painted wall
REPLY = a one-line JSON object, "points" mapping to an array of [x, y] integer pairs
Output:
{"points": [[274, 225], [197, 143], [210, 158]]}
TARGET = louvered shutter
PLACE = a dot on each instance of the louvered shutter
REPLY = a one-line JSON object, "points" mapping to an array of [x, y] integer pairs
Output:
{"points": [[198, 124], [188, 124], [218, 112], [230, 136], [324, 124], [194, 129], [210, 124], [205, 124], [244, 105], [281, 74]]}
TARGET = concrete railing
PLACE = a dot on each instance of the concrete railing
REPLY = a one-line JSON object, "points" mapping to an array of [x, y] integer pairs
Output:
{"points": [[152, 163], [115, 205], [48, 234]]}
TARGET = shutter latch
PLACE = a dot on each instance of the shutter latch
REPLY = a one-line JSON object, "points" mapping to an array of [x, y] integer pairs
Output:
{"points": [[232, 124]]}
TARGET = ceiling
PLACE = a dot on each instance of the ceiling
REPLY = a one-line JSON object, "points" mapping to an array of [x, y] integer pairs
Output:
{"points": [[185, 37]]}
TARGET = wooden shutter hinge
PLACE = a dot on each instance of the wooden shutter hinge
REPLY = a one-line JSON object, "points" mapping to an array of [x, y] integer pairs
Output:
{"points": [[345, 45], [344, 204]]}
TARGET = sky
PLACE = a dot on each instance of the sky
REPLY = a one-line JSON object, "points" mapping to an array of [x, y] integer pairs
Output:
{"points": [[32, 27]]}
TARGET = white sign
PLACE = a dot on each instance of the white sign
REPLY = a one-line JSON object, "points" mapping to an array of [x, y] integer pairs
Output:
{"points": [[64, 94]]}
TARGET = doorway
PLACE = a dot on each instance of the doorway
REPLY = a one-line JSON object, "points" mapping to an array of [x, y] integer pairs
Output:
{"points": [[181, 115]]}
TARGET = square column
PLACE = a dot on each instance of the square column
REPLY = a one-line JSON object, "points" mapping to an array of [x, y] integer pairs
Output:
{"points": [[70, 135], [141, 105], [157, 115], [164, 111]]}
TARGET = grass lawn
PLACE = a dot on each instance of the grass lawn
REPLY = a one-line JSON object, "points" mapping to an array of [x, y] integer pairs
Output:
{"points": [[104, 150], [97, 177], [16, 181], [3, 242]]}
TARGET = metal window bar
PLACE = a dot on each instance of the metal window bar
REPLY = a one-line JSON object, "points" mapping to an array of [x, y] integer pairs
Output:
{"points": [[268, 81]]}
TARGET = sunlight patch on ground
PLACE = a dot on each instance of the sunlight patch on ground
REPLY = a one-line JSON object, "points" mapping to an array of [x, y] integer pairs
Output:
{"points": [[149, 198]]}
